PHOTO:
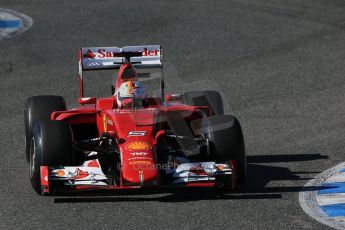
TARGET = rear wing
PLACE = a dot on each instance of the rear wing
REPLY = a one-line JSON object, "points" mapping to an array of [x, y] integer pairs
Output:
{"points": [[98, 58], [93, 58]]}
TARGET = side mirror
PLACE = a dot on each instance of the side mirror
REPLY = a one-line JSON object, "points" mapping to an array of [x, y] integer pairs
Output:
{"points": [[87, 100]]}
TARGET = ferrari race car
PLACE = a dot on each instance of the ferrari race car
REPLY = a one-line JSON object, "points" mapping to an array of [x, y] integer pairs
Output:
{"points": [[132, 139]]}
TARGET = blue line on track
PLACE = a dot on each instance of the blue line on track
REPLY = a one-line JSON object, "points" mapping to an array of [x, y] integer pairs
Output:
{"points": [[334, 210], [329, 188], [9, 23]]}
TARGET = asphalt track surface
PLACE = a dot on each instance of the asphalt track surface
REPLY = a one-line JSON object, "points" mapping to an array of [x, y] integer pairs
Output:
{"points": [[279, 63]]}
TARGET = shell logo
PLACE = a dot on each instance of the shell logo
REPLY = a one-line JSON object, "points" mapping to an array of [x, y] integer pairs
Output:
{"points": [[60, 173], [138, 146], [220, 167]]}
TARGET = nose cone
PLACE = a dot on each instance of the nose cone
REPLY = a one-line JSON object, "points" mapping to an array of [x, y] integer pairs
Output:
{"points": [[138, 162]]}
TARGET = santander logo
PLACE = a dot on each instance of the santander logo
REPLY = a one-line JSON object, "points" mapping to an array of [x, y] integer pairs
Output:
{"points": [[102, 53], [89, 54], [150, 53]]}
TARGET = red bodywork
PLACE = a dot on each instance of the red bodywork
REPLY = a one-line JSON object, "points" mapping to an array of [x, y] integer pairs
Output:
{"points": [[138, 159]]}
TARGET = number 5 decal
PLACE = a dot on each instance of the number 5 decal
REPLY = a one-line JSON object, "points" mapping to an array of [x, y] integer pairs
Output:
{"points": [[136, 133]]}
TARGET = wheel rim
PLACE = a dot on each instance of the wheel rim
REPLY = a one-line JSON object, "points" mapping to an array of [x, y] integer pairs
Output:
{"points": [[32, 157]]}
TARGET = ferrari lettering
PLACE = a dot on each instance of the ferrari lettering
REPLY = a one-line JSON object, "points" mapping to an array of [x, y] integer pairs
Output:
{"points": [[139, 158]]}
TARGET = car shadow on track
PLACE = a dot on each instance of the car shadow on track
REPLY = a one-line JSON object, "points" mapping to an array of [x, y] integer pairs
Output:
{"points": [[173, 197], [259, 174]]}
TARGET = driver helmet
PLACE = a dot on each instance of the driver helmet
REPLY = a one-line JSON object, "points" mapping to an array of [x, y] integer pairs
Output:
{"points": [[130, 94]]}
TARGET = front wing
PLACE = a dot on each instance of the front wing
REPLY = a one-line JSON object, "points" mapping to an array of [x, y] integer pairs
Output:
{"points": [[90, 176]]}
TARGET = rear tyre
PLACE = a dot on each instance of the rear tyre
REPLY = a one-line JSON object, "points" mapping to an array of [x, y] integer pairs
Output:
{"points": [[226, 143], [51, 145], [39, 108], [212, 99]]}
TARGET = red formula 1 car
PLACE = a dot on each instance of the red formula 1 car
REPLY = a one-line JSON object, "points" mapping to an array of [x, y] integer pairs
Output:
{"points": [[132, 139]]}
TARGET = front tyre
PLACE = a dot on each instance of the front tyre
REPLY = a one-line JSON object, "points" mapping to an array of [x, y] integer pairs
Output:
{"points": [[51, 145], [226, 141], [39, 108]]}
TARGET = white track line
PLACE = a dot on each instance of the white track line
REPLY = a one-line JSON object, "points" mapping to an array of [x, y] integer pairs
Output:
{"points": [[338, 177], [26, 23], [334, 198], [309, 203]]}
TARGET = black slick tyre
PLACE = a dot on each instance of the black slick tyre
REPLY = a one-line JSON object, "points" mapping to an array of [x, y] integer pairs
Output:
{"points": [[227, 143], [51, 145], [39, 108]]}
